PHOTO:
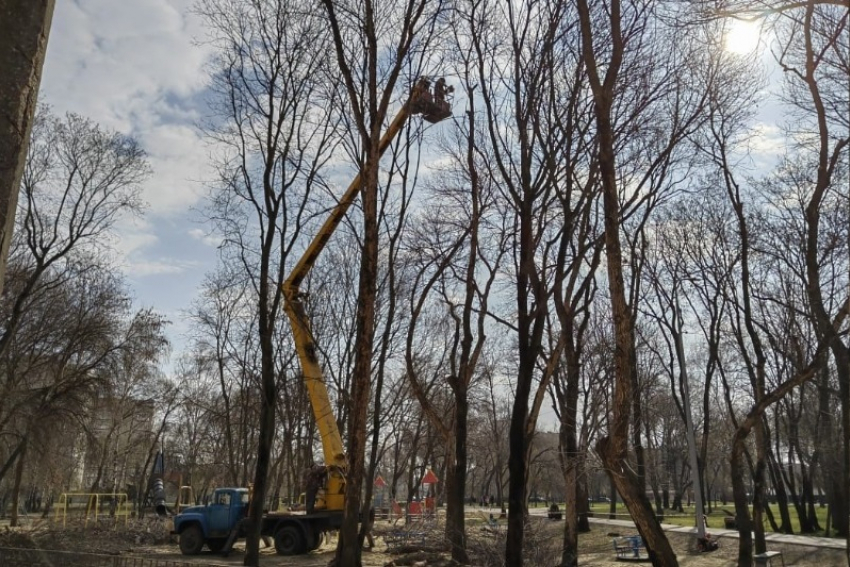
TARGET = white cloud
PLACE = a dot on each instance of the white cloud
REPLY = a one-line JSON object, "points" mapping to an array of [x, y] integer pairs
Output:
{"points": [[768, 138], [179, 159], [111, 58], [132, 242], [162, 267], [133, 66], [211, 240]]}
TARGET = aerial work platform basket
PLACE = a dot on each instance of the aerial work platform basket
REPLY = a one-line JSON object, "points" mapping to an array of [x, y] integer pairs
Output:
{"points": [[433, 105]]}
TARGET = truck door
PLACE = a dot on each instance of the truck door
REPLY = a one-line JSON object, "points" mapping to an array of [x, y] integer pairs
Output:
{"points": [[219, 516]]}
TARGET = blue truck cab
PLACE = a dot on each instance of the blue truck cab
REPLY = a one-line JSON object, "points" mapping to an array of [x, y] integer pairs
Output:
{"points": [[211, 524]]}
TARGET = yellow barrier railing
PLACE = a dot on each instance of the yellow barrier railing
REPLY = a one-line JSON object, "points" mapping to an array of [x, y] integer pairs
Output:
{"points": [[185, 498], [117, 503]]}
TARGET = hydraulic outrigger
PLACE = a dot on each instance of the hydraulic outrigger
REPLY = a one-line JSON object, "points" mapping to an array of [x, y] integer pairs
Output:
{"points": [[434, 107]]}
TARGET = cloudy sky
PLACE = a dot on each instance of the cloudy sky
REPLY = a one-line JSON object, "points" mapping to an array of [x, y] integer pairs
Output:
{"points": [[136, 67]]}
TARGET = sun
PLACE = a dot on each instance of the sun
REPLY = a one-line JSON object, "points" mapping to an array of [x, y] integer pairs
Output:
{"points": [[742, 37]]}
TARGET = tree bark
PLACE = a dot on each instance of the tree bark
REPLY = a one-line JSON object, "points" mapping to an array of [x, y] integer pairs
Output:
{"points": [[266, 437], [456, 488], [24, 29], [614, 448], [570, 465], [16, 489], [10, 460], [349, 549]]}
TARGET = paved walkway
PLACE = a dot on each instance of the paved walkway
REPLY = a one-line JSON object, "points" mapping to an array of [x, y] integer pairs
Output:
{"points": [[822, 542], [829, 543]]}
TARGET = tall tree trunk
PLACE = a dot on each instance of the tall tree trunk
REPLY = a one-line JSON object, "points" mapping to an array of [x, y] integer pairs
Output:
{"points": [[456, 488], [24, 29], [570, 467], [571, 460], [779, 489], [841, 507], [12, 458], [614, 449], [830, 462], [827, 161], [349, 549], [517, 458], [16, 489], [759, 484], [742, 511], [268, 404]]}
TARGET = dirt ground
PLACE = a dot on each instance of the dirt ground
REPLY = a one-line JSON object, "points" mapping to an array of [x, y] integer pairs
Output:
{"points": [[150, 539]]}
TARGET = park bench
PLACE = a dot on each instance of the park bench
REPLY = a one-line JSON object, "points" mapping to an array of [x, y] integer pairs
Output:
{"points": [[621, 547], [629, 547]]}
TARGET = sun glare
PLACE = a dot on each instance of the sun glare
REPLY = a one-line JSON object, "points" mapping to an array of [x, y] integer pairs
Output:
{"points": [[742, 37]]}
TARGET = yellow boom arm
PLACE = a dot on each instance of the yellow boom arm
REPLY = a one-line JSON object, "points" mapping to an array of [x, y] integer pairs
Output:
{"points": [[434, 108]]}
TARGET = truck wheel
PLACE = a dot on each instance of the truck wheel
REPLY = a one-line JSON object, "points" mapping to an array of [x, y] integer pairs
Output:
{"points": [[216, 545], [191, 540], [312, 538], [288, 541], [317, 541]]}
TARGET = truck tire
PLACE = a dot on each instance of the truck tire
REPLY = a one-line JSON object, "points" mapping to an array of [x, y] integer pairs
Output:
{"points": [[191, 540], [317, 541], [289, 541], [312, 538]]}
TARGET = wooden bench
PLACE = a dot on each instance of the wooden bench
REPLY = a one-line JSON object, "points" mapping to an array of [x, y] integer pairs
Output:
{"points": [[767, 558]]}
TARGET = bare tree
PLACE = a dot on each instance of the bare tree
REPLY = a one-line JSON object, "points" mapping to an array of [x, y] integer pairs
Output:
{"points": [[192, 441], [509, 69], [613, 448], [78, 180], [68, 372], [808, 49], [813, 54], [811, 48], [275, 133], [451, 287], [225, 342], [575, 260], [360, 32], [115, 422]]}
